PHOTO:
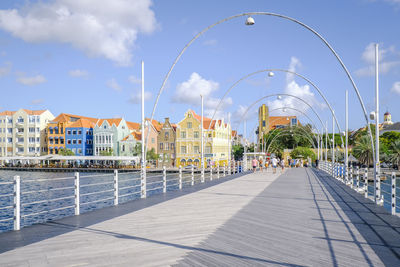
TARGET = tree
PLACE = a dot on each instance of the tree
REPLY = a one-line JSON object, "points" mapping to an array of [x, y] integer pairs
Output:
{"points": [[106, 153], [362, 150], [395, 153], [152, 155], [65, 152], [302, 152], [238, 151], [137, 150]]}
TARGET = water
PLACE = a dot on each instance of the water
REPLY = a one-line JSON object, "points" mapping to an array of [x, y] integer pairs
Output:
{"points": [[49, 196]]}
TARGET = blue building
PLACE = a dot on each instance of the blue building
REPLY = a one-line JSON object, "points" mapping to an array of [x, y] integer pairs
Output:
{"points": [[79, 137]]}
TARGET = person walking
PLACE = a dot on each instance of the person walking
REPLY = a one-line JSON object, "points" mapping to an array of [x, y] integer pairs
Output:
{"points": [[261, 164], [274, 162], [254, 163], [282, 165]]}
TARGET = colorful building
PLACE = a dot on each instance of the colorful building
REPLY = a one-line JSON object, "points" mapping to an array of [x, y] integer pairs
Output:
{"points": [[107, 135], [23, 132], [79, 137], [166, 144], [128, 146], [217, 141]]}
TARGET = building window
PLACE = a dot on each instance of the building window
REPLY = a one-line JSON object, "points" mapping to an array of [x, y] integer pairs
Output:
{"points": [[51, 141], [74, 141], [196, 149], [166, 135], [68, 141], [196, 134], [79, 141], [172, 145], [161, 146], [31, 150], [37, 139], [80, 151], [51, 130], [31, 130], [74, 132], [183, 149], [263, 123], [166, 146], [123, 148], [79, 131], [68, 131], [56, 141], [183, 134], [208, 149], [152, 140], [189, 125], [61, 141], [56, 130], [294, 121], [20, 119], [9, 130], [9, 140]]}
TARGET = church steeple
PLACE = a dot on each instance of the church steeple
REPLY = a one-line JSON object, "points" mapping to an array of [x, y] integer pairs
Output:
{"points": [[387, 118]]}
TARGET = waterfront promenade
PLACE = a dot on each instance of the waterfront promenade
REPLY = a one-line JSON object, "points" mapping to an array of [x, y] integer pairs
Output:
{"points": [[299, 218]]}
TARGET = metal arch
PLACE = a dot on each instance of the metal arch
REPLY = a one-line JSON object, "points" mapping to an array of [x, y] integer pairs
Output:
{"points": [[281, 70], [281, 135], [303, 133], [279, 16]]}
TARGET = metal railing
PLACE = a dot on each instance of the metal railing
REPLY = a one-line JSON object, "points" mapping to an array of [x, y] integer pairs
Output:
{"points": [[387, 188], [33, 198]]}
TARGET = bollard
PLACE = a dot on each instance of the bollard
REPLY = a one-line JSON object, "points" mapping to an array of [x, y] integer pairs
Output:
{"points": [[211, 173], [115, 187], [77, 203], [366, 183], [180, 177], [192, 176], [202, 174], [218, 171], [393, 202], [224, 170], [164, 179], [17, 203]]}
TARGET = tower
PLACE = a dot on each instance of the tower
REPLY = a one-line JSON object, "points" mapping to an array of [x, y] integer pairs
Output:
{"points": [[387, 118], [263, 121]]}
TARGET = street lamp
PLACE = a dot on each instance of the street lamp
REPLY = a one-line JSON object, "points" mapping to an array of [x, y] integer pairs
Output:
{"points": [[249, 21]]}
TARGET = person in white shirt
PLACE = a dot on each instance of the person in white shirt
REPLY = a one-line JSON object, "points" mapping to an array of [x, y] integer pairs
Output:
{"points": [[274, 163]]}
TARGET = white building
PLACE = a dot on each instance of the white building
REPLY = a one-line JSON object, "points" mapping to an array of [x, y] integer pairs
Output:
{"points": [[23, 132]]}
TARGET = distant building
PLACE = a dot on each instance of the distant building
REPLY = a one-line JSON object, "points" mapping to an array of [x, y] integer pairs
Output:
{"points": [[128, 145], [166, 144], [388, 125], [23, 132], [387, 118], [107, 135]]}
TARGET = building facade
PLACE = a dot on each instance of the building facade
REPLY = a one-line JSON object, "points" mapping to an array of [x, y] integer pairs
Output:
{"points": [[166, 144], [217, 141], [24, 132], [79, 137], [107, 134]]}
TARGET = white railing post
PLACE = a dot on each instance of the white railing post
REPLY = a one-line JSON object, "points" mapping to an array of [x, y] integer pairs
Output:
{"points": [[115, 187], [192, 175], [218, 171], [229, 167], [393, 202], [211, 169], [202, 174], [224, 170], [378, 189], [358, 178], [143, 183], [17, 202], [351, 180], [164, 179], [366, 183], [180, 177], [77, 202]]}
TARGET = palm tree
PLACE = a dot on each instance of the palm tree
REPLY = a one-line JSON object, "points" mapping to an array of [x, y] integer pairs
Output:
{"points": [[363, 150], [395, 153]]}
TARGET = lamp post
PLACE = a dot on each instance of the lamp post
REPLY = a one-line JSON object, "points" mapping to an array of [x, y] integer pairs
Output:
{"points": [[333, 147], [347, 137], [143, 169], [377, 179], [202, 133]]}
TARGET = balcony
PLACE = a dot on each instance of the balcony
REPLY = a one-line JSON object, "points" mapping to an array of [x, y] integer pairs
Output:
{"points": [[19, 123], [20, 143], [19, 133]]}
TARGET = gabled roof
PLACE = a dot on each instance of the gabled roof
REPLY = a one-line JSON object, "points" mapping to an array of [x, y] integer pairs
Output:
{"points": [[110, 121], [133, 126], [156, 124], [84, 123], [206, 121], [280, 120], [65, 117], [34, 112], [234, 133], [137, 136], [7, 113]]}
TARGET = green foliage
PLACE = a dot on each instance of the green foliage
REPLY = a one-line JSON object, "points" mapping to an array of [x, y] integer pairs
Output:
{"points": [[65, 152], [302, 152], [238, 151], [106, 153], [137, 150], [152, 155], [395, 153], [362, 150]]}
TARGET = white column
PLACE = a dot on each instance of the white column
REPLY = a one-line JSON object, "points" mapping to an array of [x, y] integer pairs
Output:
{"points": [[333, 145], [202, 132], [377, 179], [143, 170], [346, 161], [326, 141], [77, 202]]}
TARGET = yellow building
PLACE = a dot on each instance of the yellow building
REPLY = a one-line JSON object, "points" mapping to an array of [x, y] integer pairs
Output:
{"points": [[217, 140], [263, 121]]}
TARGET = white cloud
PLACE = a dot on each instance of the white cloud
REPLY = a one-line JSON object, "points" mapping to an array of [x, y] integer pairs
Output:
{"points": [[396, 88], [210, 42], [239, 115], [189, 92], [135, 80], [36, 101], [114, 85], [108, 29], [5, 70], [293, 88], [29, 81], [136, 98], [78, 73], [385, 66]]}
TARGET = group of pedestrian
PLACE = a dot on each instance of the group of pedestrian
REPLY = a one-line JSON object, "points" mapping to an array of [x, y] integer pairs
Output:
{"points": [[274, 162]]}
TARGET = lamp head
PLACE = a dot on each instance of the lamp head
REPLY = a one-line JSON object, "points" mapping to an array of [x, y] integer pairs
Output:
{"points": [[284, 110], [279, 97], [249, 21], [271, 74]]}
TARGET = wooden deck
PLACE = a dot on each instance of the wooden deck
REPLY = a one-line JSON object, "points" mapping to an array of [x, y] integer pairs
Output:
{"points": [[299, 218]]}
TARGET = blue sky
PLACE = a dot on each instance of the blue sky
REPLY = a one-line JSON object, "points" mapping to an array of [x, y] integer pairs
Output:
{"points": [[84, 58]]}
